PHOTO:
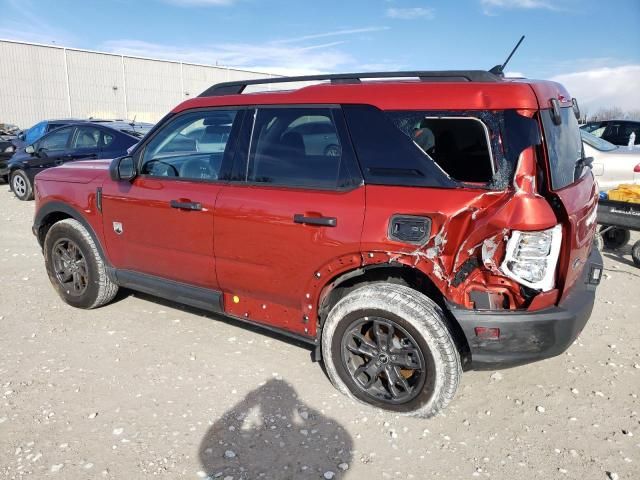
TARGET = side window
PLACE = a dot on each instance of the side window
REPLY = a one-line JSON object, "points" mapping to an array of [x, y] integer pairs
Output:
{"points": [[87, 137], [460, 146], [107, 139], [192, 146], [53, 126], [297, 146], [57, 140]]}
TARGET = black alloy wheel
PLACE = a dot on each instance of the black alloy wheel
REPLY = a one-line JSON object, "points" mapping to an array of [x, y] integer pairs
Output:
{"points": [[384, 360], [70, 267]]}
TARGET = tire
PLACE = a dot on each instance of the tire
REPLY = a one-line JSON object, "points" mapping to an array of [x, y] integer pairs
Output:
{"points": [[75, 267], [635, 253], [21, 185], [598, 241], [616, 238], [418, 324]]}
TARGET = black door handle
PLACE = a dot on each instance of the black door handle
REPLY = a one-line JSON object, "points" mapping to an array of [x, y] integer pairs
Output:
{"points": [[185, 205], [322, 221]]}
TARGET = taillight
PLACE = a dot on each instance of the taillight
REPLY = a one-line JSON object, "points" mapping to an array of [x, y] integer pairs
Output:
{"points": [[531, 257], [637, 168]]}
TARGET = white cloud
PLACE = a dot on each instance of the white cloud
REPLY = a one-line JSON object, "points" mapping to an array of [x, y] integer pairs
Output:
{"points": [[510, 74], [290, 56], [200, 3], [267, 57], [410, 13], [489, 6], [518, 4], [332, 34], [604, 87]]}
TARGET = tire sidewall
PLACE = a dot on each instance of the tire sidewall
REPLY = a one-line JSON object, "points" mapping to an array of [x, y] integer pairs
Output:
{"points": [[21, 173], [64, 230]]}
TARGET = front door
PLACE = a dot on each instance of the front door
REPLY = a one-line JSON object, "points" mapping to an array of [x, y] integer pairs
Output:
{"points": [[299, 205], [162, 222]]}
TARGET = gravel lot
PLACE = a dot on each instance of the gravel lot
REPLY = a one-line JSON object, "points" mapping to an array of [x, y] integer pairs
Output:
{"points": [[144, 388]]}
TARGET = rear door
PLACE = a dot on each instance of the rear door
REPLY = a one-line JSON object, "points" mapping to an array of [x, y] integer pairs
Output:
{"points": [[297, 205], [576, 189], [85, 144]]}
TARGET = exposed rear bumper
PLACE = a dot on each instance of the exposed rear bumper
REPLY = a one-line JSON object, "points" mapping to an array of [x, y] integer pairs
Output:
{"points": [[525, 336]]}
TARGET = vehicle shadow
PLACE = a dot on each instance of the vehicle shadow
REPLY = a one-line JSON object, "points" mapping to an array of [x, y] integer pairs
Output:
{"points": [[218, 317], [272, 434]]}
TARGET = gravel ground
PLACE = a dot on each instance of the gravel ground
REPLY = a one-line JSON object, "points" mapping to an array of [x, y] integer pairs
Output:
{"points": [[144, 388]]}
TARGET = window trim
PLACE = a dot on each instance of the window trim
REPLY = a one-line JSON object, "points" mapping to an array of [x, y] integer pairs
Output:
{"points": [[141, 147], [241, 159]]}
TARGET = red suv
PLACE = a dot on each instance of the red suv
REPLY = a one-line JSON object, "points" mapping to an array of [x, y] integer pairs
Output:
{"points": [[406, 225]]}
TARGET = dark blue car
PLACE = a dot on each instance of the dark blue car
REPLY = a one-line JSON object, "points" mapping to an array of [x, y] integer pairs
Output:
{"points": [[75, 141]]}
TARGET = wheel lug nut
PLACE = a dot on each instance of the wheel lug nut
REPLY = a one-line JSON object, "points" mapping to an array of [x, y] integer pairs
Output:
{"points": [[393, 357]]}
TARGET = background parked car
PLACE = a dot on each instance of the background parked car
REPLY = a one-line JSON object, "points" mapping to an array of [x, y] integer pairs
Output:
{"points": [[612, 164], [76, 141], [8, 134], [614, 131]]}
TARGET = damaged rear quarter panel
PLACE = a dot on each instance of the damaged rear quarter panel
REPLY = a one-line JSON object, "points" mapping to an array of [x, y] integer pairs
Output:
{"points": [[464, 221]]}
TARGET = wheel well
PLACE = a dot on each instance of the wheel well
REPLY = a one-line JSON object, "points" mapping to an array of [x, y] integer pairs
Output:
{"points": [[392, 273], [47, 222]]}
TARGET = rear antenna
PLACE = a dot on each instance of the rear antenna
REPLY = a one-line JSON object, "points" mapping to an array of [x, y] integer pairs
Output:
{"points": [[499, 69]]}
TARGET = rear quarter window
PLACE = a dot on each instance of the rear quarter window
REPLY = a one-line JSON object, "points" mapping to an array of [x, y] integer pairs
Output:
{"points": [[564, 146]]}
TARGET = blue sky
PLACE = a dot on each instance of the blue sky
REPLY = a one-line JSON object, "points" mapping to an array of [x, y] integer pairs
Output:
{"points": [[581, 42]]}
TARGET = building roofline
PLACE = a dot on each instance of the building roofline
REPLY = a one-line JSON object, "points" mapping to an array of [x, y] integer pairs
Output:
{"points": [[178, 62]]}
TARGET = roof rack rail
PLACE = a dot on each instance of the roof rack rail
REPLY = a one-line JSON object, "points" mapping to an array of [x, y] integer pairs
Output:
{"points": [[235, 88]]}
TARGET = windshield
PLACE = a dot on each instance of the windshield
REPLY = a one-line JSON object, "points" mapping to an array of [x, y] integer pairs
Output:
{"points": [[595, 142]]}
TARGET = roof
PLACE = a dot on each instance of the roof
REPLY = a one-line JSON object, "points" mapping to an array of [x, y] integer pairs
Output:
{"points": [[402, 94]]}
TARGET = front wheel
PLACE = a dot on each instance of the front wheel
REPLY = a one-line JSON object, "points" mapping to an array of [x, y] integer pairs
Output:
{"points": [[388, 346], [21, 185], [75, 267]]}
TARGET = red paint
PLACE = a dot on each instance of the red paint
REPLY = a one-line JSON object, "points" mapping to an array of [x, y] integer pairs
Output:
{"points": [[262, 254]]}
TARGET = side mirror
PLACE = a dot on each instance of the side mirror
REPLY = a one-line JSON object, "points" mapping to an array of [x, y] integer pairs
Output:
{"points": [[30, 149], [123, 168]]}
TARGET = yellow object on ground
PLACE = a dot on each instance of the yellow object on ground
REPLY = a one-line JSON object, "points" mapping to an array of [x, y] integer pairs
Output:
{"points": [[625, 193]]}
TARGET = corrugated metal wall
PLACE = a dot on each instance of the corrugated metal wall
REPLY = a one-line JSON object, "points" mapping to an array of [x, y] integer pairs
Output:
{"points": [[39, 82]]}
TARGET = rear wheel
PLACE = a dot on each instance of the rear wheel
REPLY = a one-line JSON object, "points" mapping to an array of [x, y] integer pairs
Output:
{"points": [[75, 266], [615, 238], [388, 346], [21, 185]]}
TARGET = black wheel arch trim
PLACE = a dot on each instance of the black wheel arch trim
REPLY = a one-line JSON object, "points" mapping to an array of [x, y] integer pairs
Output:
{"points": [[61, 207]]}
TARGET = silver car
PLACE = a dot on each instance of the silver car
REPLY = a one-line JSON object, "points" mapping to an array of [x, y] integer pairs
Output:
{"points": [[612, 165]]}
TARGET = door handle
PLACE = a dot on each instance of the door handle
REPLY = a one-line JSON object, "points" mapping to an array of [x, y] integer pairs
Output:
{"points": [[320, 221], [185, 205]]}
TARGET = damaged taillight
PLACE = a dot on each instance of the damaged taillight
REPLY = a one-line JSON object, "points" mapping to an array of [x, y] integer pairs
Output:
{"points": [[531, 257]]}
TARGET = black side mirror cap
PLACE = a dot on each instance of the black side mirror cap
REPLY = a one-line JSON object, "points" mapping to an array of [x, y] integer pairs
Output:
{"points": [[123, 168]]}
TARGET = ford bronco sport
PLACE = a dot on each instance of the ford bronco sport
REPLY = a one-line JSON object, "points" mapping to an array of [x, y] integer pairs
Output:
{"points": [[406, 225]]}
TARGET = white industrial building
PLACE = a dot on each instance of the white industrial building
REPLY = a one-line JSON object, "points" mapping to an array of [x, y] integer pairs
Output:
{"points": [[39, 82]]}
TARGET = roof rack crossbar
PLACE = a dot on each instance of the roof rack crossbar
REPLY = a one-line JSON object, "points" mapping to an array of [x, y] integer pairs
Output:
{"points": [[235, 88]]}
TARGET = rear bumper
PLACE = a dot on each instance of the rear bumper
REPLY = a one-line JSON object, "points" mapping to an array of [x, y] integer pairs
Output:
{"points": [[525, 336]]}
